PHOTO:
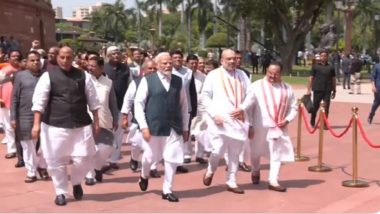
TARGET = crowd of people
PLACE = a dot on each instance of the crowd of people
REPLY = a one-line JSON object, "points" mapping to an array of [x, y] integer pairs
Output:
{"points": [[61, 108]]}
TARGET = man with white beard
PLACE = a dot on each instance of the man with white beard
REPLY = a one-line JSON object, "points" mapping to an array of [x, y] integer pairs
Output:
{"points": [[162, 114]]}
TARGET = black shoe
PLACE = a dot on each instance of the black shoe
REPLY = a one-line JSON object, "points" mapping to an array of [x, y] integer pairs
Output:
{"points": [[114, 166], [43, 174], [154, 173], [60, 200], [89, 181], [105, 168], [78, 192], [10, 155], [369, 120], [244, 167], [98, 175], [187, 160], [143, 183], [201, 160], [255, 178], [182, 169], [20, 164], [170, 197], [134, 164]]}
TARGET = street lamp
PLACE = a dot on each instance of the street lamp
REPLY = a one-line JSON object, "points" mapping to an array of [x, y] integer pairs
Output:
{"points": [[347, 6]]}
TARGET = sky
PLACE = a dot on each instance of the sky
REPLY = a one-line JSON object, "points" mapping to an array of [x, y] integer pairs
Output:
{"points": [[69, 5]]}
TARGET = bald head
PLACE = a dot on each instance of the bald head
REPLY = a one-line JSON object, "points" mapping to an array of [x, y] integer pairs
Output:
{"points": [[65, 58], [228, 60], [164, 63]]}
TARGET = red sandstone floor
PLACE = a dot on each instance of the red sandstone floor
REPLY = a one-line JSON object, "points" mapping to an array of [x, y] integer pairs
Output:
{"points": [[307, 191]]}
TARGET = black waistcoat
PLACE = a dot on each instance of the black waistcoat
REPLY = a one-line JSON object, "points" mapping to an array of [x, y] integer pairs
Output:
{"points": [[163, 111], [67, 106]]}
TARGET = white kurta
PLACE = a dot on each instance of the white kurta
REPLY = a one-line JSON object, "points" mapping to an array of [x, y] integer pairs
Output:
{"points": [[61, 142], [222, 103], [277, 144], [173, 150], [185, 74]]}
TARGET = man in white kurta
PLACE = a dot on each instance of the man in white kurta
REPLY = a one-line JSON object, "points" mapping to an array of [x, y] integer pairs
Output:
{"points": [[186, 75], [162, 114], [273, 104], [134, 134], [59, 144], [223, 91], [108, 118], [199, 78]]}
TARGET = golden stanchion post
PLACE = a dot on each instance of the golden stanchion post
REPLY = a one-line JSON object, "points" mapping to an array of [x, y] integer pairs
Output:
{"points": [[298, 156], [355, 182], [320, 167]]}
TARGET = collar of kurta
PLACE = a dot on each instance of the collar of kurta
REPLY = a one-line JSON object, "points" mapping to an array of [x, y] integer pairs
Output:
{"points": [[163, 76]]}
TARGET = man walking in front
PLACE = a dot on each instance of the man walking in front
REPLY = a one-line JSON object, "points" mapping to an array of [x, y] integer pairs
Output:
{"points": [[223, 91], [60, 101], [162, 114]]}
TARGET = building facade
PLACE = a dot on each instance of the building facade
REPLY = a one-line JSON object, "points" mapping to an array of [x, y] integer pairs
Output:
{"points": [[28, 20]]}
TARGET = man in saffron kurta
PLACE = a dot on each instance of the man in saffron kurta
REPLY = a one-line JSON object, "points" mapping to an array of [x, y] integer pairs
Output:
{"points": [[60, 101], [273, 107]]}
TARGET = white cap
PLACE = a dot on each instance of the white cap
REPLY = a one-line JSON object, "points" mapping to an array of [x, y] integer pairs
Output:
{"points": [[112, 48]]}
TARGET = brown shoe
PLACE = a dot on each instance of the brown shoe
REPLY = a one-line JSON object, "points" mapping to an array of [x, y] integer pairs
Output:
{"points": [[31, 179], [236, 190], [207, 180], [277, 188], [10, 155], [255, 178]]}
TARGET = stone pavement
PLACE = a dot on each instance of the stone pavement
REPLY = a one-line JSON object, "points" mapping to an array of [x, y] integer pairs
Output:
{"points": [[307, 191]]}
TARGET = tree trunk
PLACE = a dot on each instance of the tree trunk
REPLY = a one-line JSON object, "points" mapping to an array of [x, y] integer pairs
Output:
{"points": [[189, 31], [183, 16], [202, 39], [242, 29], [160, 21]]}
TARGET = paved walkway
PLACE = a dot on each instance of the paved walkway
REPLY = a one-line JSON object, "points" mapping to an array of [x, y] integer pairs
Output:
{"points": [[307, 191]]}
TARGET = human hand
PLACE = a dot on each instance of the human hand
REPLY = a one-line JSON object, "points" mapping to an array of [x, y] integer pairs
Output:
{"points": [[36, 132], [146, 134], [218, 120], [185, 135], [282, 123], [250, 132]]}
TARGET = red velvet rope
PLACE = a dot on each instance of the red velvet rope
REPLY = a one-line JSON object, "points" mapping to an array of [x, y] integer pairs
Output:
{"points": [[364, 135], [311, 131], [332, 131]]}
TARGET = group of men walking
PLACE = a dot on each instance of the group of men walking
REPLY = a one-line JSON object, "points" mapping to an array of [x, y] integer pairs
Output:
{"points": [[80, 114]]}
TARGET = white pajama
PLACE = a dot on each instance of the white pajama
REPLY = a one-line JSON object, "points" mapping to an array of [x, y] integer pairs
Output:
{"points": [[57, 168], [169, 148], [32, 159], [118, 142], [220, 144], [103, 152], [8, 130]]}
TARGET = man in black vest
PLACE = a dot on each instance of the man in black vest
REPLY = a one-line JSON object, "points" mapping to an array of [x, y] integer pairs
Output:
{"points": [[162, 114], [120, 75], [60, 100]]}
